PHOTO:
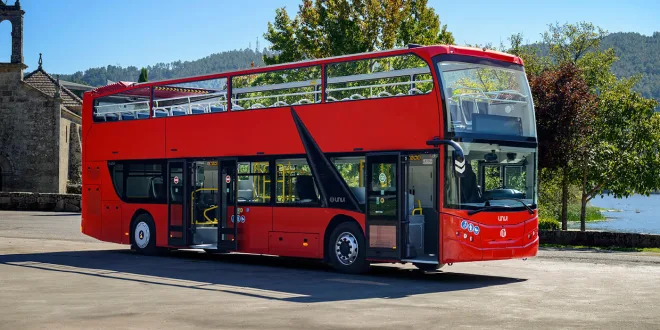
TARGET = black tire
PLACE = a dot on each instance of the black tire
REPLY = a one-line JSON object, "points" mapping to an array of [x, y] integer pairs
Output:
{"points": [[351, 234], [427, 267], [143, 235]]}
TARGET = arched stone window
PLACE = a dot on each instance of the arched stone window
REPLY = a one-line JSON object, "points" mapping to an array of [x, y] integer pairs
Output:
{"points": [[14, 15], [5, 34]]}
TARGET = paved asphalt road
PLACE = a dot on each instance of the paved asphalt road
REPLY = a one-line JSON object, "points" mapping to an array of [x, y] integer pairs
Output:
{"points": [[53, 277]]}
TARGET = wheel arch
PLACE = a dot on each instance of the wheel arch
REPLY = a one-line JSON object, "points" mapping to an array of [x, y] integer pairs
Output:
{"points": [[334, 222], [136, 214]]}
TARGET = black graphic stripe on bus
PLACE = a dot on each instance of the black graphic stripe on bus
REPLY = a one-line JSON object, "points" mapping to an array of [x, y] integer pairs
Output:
{"points": [[334, 191]]}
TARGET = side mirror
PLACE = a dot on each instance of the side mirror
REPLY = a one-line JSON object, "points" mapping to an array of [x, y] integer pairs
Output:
{"points": [[458, 151], [457, 155]]}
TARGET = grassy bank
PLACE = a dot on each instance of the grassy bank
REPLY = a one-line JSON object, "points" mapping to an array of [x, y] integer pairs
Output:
{"points": [[592, 213], [550, 220], [550, 195]]}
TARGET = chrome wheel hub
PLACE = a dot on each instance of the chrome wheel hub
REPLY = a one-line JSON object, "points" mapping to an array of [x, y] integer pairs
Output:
{"points": [[346, 248], [142, 235]]}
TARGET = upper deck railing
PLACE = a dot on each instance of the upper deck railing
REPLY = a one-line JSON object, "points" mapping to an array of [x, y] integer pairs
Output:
{"points": [[371, 78]]}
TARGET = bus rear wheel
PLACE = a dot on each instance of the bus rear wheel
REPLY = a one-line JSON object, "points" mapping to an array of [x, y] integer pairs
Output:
{"points": [[346, 249], [143, 235]]}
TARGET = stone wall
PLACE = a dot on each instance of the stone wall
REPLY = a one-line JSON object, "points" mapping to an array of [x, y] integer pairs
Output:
{"points": [[27, 201], [63, 161], [29, 131], [75, 154], [599, 239]]}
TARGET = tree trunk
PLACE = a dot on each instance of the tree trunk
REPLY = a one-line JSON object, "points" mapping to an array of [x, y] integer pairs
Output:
{"points": [[583, 209], [583, 213], [564, 199]]}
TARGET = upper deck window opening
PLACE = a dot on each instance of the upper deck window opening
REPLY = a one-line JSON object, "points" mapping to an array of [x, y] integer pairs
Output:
{"points": [[487, 99], [129, 105], [277, 88], [389, 76], [191, 98]]}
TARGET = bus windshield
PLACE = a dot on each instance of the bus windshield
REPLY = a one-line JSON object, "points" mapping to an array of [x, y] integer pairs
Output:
{"points": [[491, 175], [487, 99]]}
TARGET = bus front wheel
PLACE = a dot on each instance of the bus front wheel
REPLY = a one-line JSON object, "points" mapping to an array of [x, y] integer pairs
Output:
{"points": [[143, 235], [347, 249]]}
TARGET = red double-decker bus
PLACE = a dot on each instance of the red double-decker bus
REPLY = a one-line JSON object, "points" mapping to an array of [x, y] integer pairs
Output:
{"points": [[422, 155]]}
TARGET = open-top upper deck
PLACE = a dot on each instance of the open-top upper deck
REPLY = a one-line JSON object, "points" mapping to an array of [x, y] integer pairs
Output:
{"points": [[426, 52]]}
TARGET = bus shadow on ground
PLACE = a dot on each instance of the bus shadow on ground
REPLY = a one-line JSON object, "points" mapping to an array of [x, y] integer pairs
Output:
{"points": [[265, 277]]}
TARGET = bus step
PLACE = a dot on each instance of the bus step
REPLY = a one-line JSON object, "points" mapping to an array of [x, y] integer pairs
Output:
{"points": [[226, 231], [226, 245]]}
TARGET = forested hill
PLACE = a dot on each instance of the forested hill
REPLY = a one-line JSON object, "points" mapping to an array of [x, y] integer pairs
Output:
{"points": [[637, 54], [225, 61]]}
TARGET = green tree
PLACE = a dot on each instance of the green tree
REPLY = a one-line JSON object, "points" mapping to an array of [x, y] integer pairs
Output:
{"points": [[565, 111], [620, 154], [324, 28], [623, 157], [143, 76]]}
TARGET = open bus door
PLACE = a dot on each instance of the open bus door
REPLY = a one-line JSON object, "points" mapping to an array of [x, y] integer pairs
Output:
{"points": [[229, 216], [384, 203]]}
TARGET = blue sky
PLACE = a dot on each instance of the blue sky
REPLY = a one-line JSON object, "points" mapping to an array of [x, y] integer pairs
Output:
{"points": [[75, 35]]}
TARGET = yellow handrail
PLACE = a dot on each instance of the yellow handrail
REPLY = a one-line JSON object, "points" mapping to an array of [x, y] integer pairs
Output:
{"points": [[215, 220], [418, 208], [192, 202]]}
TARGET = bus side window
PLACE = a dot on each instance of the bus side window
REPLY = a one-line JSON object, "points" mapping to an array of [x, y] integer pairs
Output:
{"points": [[295, 183], [139, 182], [254, 182]]}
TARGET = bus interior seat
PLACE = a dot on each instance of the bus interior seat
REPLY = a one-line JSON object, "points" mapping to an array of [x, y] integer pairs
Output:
{"points": [[178, 112], [468, 109], [111, 117], [453, 111], [157, 188], [127, 116], [217, 108], [197, 110], [245, 189], [470, 192], [305, 189], [142, 115], [482, 107], [160, 113], [99, 118]]}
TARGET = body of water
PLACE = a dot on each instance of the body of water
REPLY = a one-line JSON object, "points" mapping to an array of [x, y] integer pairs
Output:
{"points": [[636, 214]]}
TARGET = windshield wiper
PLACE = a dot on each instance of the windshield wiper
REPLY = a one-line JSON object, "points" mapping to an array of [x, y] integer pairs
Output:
{"points": [[487, 205]]}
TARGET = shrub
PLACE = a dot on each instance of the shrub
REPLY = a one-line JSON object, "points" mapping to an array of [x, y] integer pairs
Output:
{"points": [[72, 188], [549, 224]]}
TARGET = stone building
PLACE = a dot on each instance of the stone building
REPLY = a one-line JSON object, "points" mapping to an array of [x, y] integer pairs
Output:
{"points": [[40, 148]]}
